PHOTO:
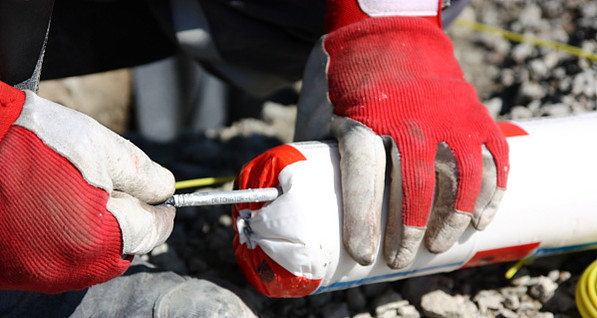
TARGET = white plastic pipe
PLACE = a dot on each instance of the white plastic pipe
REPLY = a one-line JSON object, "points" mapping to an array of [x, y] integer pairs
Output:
{"points": [[292, 247]]}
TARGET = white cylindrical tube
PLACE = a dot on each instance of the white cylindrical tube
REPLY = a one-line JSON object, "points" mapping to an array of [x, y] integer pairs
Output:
{"points": [[292, 247]]}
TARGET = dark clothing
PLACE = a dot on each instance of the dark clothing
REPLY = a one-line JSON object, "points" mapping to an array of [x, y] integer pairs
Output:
{"points": [[91, 36], [272, 36]]}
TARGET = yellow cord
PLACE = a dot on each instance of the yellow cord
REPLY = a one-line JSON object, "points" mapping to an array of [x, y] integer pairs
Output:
{"points": [[517, 37], [201, 182], [516, 267], [586, 292]]}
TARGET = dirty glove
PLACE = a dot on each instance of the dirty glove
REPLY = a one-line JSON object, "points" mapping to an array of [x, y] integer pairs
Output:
{"points": [[74, 197], [386, 84]]}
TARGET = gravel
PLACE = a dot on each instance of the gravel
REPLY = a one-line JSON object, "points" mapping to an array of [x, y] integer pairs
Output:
{"points": [[514, 80]]}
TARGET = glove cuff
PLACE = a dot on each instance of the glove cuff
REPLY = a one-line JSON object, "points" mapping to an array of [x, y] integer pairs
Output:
{"points": [[340, 13], [417, 70], [11, 104]]}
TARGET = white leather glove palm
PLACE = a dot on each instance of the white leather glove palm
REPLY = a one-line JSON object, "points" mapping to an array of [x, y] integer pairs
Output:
{"points": [[76, 197]]}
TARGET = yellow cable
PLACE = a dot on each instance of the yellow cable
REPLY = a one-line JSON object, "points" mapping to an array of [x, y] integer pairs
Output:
{"points": [[201, 182], [517, 37], [516, 267], [586, 292]]}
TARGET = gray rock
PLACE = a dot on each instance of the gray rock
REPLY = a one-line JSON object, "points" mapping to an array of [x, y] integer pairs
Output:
{"points": [[494, 106], [564, 276], [520, 112], [511, 302], [530, 16], [507, 77], [554, 32], [362, 315], [516, 291], [408, 311], [388, 301], [506, 313], [416, 287], [584, 83], [489, 299], [532, 90], [439, 304], [552, 58], [538, 69], [565, 84], [559, 73], [589, 9], [225, 220], [528, 304], [522, 52], [589, 46], [555, 110], [543, 289], [544, 315], [554, 275], [387, 314], [535, 107]]}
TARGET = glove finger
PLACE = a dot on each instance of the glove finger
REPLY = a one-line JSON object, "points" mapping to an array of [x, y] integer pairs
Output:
{"points": [[490, 196], [498, 147], [495, 162], [447, 222], [143, 226], [133, 172], [362, 169], [400, 242]]}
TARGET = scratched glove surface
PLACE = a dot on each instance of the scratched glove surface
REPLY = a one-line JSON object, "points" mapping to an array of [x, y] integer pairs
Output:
{"points": [[397, 101], [75, 198]]}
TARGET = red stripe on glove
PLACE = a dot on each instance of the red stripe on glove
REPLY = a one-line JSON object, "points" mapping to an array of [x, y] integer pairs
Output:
{"points": [[55, 232]]}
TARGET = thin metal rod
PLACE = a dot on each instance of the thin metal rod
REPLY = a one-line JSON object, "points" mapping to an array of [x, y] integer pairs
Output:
{"points": [[224, 197]]}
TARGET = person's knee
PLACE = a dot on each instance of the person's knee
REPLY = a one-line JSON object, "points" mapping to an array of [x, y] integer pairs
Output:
{"points": [[201, 298]]}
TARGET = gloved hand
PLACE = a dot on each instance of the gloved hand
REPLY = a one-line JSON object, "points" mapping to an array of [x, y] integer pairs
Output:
{"points": [[75, 198], [386, 84]]}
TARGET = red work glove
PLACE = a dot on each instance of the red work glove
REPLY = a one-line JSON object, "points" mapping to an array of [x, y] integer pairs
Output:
{"points": [[394, 75], [74, 197]]}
